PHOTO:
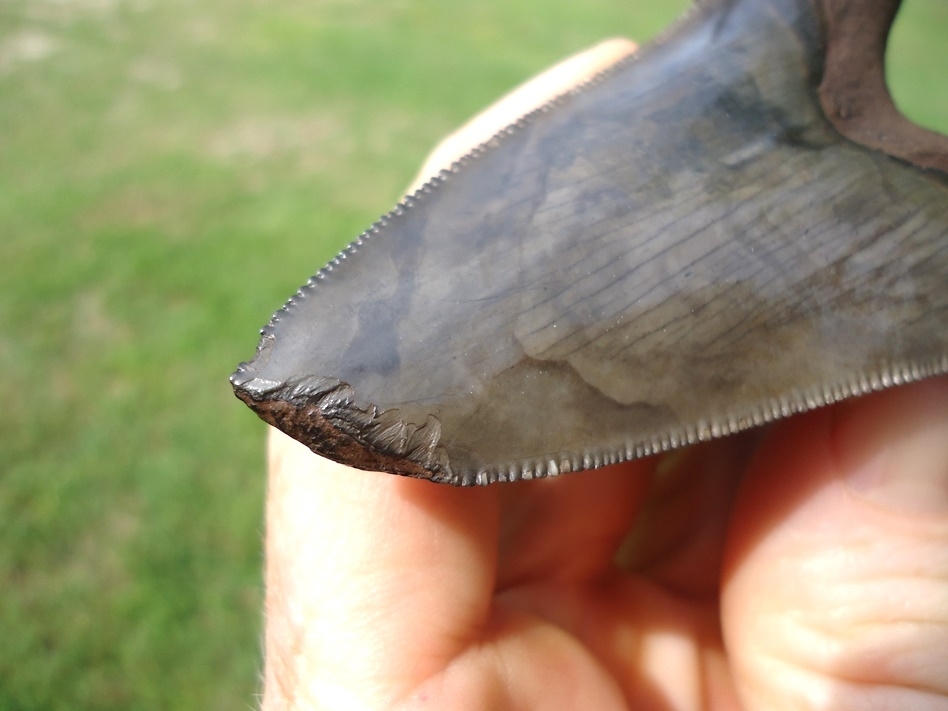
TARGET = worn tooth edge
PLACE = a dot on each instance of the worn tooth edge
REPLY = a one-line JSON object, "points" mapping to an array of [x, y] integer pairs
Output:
{"points": [[391, 436], [423, 441], [758, 415], [854, 385], [383, 431], [732, 423], [704, 430], [309, 389], [829, 394], [353, 421], [256, 388], [401, 443], [334, 400], [441, 461], [897, 376], [512, 473]]}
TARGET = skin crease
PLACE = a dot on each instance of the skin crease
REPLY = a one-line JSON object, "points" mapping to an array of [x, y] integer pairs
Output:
{"points": [[804, 566]]}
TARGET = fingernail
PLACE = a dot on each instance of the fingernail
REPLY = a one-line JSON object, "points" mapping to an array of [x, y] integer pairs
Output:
{"points": [[903, 440]]}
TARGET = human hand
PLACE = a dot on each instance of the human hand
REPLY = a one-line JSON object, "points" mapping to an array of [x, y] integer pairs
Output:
{"points": [[800, 567]]}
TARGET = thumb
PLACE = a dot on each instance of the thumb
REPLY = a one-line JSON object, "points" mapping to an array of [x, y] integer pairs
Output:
{"points": [[836, 576]]}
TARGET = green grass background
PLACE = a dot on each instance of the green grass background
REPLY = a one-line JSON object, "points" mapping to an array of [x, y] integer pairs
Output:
{"points": [[170, 171]]}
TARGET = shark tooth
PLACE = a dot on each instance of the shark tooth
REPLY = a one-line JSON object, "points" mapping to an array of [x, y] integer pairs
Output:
{"points": [[711, 235]]}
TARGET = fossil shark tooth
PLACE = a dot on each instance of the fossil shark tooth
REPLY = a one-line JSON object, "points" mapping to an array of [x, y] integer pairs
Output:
{"points": [[684, 247]]}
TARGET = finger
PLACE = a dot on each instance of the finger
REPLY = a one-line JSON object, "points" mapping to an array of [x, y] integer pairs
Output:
{"points": [[679, 536], [836, 578], [359, 565], [569, 529]]}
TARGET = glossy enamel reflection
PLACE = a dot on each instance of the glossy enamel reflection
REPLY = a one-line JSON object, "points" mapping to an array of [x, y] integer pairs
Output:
{"points": [[683, 248]]}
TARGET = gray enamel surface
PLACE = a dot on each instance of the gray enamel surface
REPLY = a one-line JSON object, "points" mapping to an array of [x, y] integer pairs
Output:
{"points": [[679, 250]]}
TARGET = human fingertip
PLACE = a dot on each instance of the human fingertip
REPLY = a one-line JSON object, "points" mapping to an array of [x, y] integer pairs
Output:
{"points": [[892, 447]]}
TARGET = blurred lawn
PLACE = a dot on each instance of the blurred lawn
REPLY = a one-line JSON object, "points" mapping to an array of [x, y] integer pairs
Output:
{"points": [[169, 173]]}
